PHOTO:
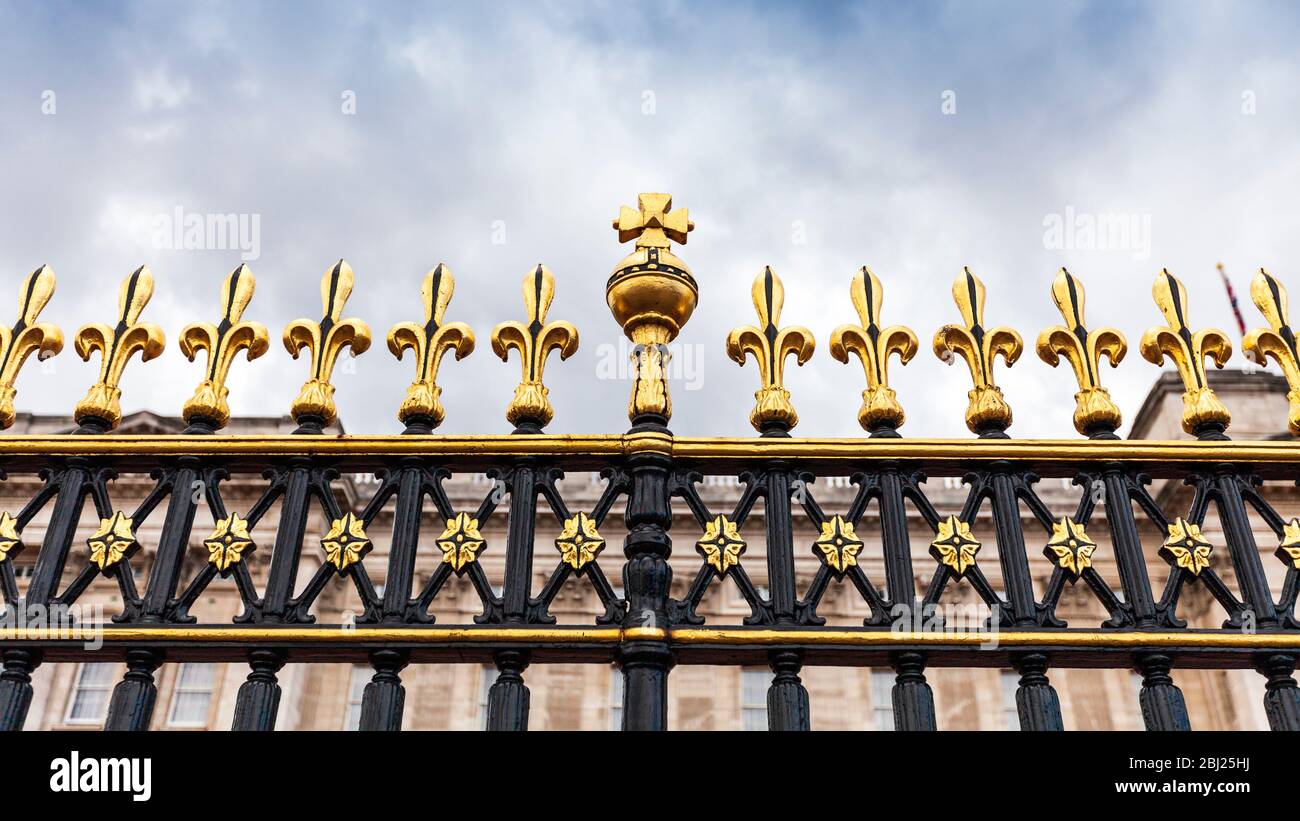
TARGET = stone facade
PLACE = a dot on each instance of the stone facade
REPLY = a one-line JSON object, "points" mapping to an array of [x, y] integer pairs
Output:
{"points": [[454, 696]]}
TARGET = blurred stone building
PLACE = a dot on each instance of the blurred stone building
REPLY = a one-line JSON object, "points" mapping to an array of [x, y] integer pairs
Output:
{"points": [[587, 697]]}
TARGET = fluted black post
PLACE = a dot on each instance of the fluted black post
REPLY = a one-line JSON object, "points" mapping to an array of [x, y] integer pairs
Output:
{"points": [[258, 700], [508, 699], [16, 687], [913, 699], [1163, 707], [1036, 700], [384, 697], [1281, 698], [131, 706]]}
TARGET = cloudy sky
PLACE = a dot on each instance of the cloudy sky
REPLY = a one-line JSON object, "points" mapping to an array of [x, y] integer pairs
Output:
{"points": [[913, 137]]}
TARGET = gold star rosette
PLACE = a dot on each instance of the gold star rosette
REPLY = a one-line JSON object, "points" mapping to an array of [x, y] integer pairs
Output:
{"points": [[838, 545], [112, 542], [1289, 550], [1186, 547], [721, 545], [954, 546], [461, 542], [11, 543], [579, 543], [228, 543], [1070, 547], [346, 542]]}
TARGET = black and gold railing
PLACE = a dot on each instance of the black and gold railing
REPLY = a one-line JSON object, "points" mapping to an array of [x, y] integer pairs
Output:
{"points": [[650, 473]]}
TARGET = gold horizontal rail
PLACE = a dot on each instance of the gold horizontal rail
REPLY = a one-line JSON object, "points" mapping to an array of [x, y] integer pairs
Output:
{"points": [[733, 449], [692, 636]]}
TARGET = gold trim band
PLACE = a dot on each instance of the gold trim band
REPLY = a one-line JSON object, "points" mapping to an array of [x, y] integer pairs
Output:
{"points": [[849, 637], [616, 445]]}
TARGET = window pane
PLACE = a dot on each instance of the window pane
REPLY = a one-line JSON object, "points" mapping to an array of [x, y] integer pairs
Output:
{"points": [[356, 691], [615, 698], [90, 696], [196, 676]]}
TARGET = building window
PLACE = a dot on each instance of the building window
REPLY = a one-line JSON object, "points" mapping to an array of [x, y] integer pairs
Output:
{"points": [[356, 691], [615, 698], [488, 678], [193, 694], [753, 698], [89, 702], [1010, 714], [882, 699]]}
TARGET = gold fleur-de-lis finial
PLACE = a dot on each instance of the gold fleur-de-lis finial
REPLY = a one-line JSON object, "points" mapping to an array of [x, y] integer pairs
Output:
{"points": [[987, 412], [326, 339], [429, 342], [1277, 340], [116, 346], [770, 344], [531, 408], [26, 337], [1094, 411], [223, 342], [880, 409], [1203, 413], [653, 222]]}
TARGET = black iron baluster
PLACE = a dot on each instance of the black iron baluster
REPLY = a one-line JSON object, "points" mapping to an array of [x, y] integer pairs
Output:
{"points": [[787, 698], [508, 698], [1037, 703], [912, 696], [646, 660], [1281, 697]]}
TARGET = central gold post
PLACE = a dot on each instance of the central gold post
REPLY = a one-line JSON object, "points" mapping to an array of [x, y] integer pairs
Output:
{"points": [[651, 294]]}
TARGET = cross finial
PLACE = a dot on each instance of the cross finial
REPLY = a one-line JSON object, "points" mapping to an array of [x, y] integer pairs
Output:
{"points": [[653, 222]]}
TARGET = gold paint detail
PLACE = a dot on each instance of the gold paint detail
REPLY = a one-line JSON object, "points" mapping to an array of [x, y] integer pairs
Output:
{"points": [[429, 342], [228, 543], [116, 345], [838, 545], [770, 344], [326, 339], [721, 545], [26, 337], [534, 339], [978, 345], [346, 542], [461, 542], [1094, 410], [1070, 547], [873, 345], [683, 636], [223, 342], [954, 546], [1288, 551], [651, 294], [1278, 340], [1186, 547], [579, 543], [1187, 350], [113, 541], [11, 543]]}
